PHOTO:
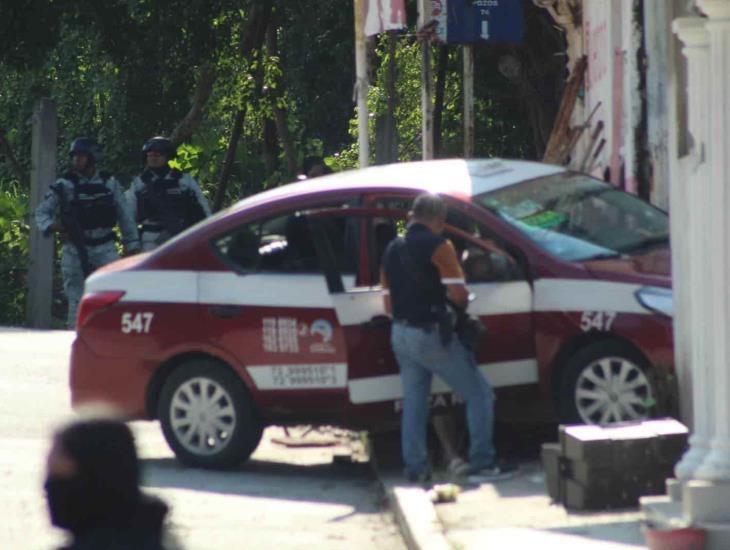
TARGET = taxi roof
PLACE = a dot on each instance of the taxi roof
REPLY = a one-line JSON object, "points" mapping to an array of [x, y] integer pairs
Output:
{"points": [[456, 177]]}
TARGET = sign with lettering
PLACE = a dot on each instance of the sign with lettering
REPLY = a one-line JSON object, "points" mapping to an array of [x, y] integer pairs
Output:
{"points": [[470, 21]]}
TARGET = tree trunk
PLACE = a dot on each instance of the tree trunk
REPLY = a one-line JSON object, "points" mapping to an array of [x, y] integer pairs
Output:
{"points": [[230, 157], [190, 123], [282, 129], [280, 113], [270, 146], [258, 22], [438, 108], [251, 40]]}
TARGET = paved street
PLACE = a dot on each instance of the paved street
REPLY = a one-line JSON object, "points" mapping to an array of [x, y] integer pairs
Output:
{"points": [[282, 498]]}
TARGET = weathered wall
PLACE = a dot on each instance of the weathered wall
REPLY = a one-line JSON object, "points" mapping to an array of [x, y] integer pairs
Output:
{"points": [[635, 85]]}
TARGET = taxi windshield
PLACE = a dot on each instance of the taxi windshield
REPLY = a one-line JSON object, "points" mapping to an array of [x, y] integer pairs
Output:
{"points": [[576, 217]]}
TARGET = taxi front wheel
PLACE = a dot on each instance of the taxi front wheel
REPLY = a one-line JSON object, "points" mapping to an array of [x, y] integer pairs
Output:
{"points": [[606, 382], [207, 416]]}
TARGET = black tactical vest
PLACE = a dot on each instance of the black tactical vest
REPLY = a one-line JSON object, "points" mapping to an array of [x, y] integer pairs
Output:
{"points": [[163, 204], [93, 203], [416, 292]]}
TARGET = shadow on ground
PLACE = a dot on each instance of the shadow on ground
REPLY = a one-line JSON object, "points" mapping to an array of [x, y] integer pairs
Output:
{"points": [[627, 532], [327, 483]]}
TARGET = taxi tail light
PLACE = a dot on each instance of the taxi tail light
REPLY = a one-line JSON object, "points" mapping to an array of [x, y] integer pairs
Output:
{"points": [[93, 303]]}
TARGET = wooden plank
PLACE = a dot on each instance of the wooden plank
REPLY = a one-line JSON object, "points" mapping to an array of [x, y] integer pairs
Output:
{"points": [[560, 133]]}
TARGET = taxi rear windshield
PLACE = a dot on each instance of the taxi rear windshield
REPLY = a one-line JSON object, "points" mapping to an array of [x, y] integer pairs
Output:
{"points": [[576, 217]]}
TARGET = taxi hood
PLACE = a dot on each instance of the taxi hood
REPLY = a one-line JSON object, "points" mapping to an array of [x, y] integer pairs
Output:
{"points": [[651, 268]]}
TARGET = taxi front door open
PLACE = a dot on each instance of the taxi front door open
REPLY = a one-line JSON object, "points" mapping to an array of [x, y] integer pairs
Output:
{"points": [[507, 357]]}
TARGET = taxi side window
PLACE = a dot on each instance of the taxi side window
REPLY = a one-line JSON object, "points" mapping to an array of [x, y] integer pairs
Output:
{"points": [[488, 264], [283, 244]]}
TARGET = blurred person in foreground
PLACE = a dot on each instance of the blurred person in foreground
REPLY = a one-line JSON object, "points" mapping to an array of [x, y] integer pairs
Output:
{"points": [[92, 489]]}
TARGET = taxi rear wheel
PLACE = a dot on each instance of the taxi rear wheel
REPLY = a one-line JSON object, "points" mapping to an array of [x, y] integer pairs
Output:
{"points": [[207, 416], [604, 383]]}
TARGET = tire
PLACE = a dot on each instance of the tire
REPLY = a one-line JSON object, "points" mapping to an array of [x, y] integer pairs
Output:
{"points": [[207, 416], [606, 382]]}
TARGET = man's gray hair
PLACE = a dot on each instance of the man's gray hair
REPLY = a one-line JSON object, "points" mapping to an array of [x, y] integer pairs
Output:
{"points": [[428, 207]]}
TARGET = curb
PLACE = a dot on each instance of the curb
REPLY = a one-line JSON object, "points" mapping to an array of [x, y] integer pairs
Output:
{"points": [[417, 519], [414, 512]]}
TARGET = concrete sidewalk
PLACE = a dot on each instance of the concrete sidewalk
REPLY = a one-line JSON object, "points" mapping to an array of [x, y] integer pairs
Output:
{"points": [[515, 512]]}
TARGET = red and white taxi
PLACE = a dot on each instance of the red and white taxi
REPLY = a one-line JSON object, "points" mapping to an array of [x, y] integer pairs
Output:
{"points": [[270, 311]]}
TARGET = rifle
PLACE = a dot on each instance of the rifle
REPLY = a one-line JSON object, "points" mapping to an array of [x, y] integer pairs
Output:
{"points": [[73, 229]]}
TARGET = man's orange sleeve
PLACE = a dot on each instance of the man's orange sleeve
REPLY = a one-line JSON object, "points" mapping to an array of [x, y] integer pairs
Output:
{"points": [[447, 264], [387, 304]]}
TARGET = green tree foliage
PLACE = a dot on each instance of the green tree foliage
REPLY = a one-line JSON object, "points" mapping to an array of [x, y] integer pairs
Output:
{"points": [[13, 254], [125, 70]]}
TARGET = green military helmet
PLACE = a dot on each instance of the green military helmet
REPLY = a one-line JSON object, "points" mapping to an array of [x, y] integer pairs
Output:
{"points": [[160, 144], [86, 146]]}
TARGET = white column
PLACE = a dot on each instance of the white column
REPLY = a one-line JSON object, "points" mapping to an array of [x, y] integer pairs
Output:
{"points": [[689, 246], [716, 464]]}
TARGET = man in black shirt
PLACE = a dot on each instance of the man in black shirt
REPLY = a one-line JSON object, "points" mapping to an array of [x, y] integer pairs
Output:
{"points": [[420, 272]]}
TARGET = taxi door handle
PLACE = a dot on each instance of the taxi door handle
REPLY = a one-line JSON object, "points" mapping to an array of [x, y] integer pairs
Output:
{"points": [[379, 322], [225, 312]]}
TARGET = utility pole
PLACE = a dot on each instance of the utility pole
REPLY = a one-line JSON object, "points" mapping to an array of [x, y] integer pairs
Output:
{"points": [[426, 84], [468, 83], [43, 172], [361, 83]]}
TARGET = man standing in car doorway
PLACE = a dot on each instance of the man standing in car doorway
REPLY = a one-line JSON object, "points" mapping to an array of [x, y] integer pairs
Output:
{"points": [[83, 206], [163, 200], [420, 273]]}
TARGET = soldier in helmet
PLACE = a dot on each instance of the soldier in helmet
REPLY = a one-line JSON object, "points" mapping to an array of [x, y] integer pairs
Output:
{"points": [[163, 200], [84, 205]]}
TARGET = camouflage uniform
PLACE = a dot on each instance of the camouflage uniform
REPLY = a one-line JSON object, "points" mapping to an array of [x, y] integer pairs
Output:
{"points": [[99, 241], [165, 202]]}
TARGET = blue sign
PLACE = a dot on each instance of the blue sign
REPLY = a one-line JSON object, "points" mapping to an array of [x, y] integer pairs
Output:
{"points": [[470, 21]]}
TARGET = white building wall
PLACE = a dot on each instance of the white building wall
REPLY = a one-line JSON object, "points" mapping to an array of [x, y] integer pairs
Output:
{"points": [[611, 37], [598, 43], [627, 155]]}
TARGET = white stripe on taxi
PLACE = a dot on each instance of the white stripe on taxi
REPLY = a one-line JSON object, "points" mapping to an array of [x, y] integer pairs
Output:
{"points": [[586, 295], [310, 291], [388, 387]]}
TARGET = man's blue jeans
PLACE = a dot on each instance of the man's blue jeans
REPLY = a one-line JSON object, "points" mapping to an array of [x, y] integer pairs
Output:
{"points": [[420, 355]]}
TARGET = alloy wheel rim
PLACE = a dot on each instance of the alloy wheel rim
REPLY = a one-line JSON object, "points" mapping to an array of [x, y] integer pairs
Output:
{"points": [[613, 389], [202, 416]]}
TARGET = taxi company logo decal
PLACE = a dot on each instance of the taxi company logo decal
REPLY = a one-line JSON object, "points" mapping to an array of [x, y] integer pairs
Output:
{"points": [[287, 335], [323, 329]]}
